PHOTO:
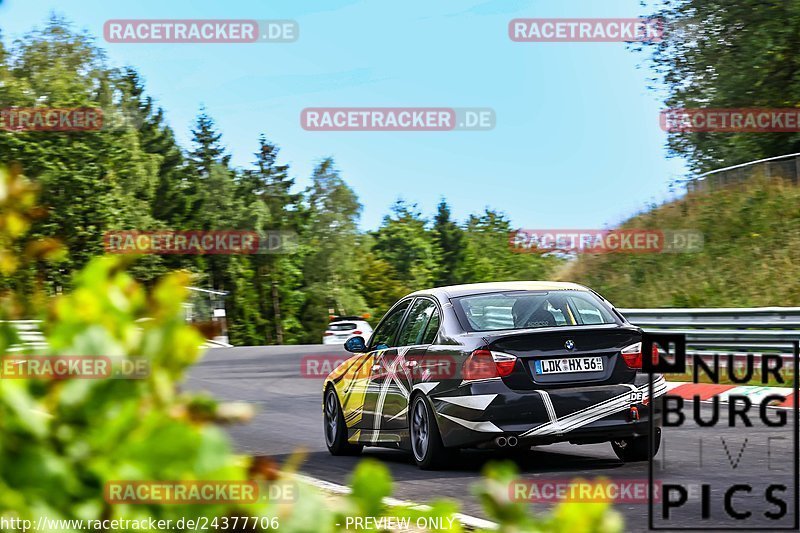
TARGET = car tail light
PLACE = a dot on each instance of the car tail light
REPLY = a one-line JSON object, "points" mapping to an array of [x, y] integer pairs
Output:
{"points": [[327, 334], [633, 355], [484, 364], [356, 332], [504, 362]]}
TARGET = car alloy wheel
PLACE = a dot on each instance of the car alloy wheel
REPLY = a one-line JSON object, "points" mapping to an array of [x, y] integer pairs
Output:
{"points": [[331, 408], [426, 442], [335, 428], [420, 430]]}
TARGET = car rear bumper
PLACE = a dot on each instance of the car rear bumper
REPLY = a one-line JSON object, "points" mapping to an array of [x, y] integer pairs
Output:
{"points": [[475, 414]]}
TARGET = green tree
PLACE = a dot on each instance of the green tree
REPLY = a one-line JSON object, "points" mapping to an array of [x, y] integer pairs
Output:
{"points": [[723, 54], [449, 237], [274, 207], [330, 234], [380, 284], [91, 180], [404, 241], [217, 204], [208, 149], [488, 256], [137, 110]]}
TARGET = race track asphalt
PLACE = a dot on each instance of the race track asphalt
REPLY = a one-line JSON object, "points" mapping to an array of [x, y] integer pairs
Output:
{"points": [[289, 419]]}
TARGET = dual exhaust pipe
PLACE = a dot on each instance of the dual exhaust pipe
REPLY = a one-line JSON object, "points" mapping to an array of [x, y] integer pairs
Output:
{"points": [[510, 441]]}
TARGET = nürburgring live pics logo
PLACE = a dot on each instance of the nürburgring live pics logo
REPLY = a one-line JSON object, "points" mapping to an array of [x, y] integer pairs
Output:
{"points": [[739, 473]]}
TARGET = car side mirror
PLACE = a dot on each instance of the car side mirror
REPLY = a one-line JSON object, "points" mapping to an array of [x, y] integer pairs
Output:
{"points": [[356, 344]]}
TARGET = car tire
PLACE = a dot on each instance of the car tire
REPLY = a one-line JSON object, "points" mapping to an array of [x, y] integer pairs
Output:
{"points": [[632, 449], [426, 441], [334, 427]]}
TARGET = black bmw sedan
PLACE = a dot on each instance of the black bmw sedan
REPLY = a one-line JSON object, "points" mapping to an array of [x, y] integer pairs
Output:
{"points": [[494, 365]]}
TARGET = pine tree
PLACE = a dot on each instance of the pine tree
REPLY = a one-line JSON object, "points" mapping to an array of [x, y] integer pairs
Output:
{"points": [[331, 267], [157, 138], [450, 239], [267, 188], [208, 149]]}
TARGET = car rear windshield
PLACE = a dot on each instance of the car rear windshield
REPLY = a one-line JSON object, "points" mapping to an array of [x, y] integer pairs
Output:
{"points": [[342, 326], [532, 309]]}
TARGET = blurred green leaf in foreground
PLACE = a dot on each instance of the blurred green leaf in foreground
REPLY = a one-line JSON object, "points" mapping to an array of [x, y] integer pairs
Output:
{"points": [[62, 440]]}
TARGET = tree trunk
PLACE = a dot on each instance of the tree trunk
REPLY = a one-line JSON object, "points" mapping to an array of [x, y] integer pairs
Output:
{"points": [[276, 305], [262, 298]]}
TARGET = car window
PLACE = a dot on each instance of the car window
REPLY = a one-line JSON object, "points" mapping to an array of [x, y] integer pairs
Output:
{"points": [[431, 329], [342, 326], [491, 313], [558, 315], [587, 313], [532, 309], [418, 318], [385, 334]]}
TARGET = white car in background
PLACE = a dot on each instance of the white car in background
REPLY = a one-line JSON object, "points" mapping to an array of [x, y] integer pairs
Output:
{"points": [[344, 327]]}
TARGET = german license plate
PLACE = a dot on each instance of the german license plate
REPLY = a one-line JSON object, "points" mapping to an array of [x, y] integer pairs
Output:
{"points": [[569, 365]]}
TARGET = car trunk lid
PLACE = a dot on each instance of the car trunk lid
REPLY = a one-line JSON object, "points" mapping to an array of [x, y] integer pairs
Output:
{"points": [[567, 356]]}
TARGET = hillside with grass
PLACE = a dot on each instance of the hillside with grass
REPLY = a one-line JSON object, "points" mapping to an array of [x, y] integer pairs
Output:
{"points": [[749, 257]]}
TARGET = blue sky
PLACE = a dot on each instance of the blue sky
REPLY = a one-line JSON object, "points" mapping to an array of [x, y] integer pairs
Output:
{"points": [[577, 142]]}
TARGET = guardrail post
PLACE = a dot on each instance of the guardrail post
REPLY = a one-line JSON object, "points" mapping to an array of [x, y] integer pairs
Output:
{"points": [[796, 180]]}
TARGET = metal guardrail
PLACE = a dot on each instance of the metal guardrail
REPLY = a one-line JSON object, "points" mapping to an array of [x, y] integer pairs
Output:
{"points": [[736, 331], [33, 339], [29, 334], [724, 331], [785, 167]]}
